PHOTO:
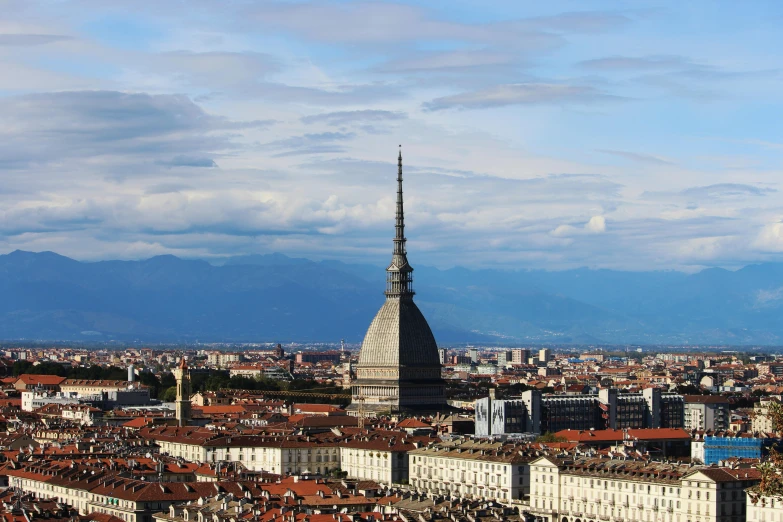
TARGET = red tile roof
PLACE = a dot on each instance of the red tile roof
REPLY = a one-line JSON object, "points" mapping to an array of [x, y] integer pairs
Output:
{"points": [[597, 436], [45, 380]]}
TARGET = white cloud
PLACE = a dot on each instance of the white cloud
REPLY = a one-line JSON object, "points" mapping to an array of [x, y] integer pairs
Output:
{"points": [[596, 225], [522, 94], [770, 238], [273, 126]]}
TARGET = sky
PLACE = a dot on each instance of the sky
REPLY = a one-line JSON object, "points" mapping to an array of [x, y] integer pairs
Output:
{"points": [[634, 135]]}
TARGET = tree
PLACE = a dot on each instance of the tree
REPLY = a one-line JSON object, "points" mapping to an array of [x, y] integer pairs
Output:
{"points": [[169, 394], [21, 367], [150, 380], [216, 381], [167, 380]]}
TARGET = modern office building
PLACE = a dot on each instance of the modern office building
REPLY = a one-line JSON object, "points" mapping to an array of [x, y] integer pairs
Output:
{"points": [[533, 412]]}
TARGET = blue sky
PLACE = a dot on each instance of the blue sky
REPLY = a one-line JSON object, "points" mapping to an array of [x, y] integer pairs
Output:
{"points": [[633, 135]]}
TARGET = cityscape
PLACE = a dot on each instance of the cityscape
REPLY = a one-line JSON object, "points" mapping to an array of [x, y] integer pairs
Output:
{"points": [[342, 261]]}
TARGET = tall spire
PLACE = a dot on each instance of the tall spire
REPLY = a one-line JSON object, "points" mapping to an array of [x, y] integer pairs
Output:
{"points": [[399, 277], [399, 223]]}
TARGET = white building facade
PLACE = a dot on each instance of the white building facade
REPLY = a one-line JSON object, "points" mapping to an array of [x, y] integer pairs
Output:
{"points": [[481, 470], [593, 490]]}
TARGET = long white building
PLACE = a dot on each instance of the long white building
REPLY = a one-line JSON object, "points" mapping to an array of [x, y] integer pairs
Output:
{"points": [[284, 454], [599, 489]]}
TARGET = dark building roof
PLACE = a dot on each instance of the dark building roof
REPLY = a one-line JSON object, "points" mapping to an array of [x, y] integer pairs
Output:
{"points": [[399, 335], [706, 399]]}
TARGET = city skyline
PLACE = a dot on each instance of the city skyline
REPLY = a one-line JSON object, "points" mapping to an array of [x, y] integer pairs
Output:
{"points": [[623, 135]]}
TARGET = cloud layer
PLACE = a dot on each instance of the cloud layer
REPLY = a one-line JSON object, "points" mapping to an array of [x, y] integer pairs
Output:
{"points": [[541, 137]]}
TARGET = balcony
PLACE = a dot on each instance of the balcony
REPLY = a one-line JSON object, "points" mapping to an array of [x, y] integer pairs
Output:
{"points": [[670, 509], [640, 505], [655, 508]]}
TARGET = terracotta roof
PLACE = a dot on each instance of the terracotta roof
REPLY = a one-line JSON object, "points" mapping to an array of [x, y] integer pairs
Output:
{"points": [[413, 423], [620, 435], [100, 517], [138, 422], [221, 409], [98, 383], [44, 380]]}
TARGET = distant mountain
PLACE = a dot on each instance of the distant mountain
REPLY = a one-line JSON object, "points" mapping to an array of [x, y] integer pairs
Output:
{"points": [[274, 297]]}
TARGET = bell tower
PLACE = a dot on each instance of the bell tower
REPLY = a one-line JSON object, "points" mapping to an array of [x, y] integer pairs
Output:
{"points": [[182, 375]]}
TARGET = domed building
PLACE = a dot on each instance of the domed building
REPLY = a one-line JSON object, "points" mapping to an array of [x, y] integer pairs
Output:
{"points": [[399, 368]]}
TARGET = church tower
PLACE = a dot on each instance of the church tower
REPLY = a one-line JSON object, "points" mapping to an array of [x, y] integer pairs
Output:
{"points": [[399, 367], [182, 375]]}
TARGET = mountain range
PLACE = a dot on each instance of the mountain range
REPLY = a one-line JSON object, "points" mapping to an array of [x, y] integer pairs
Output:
{"points": [[46, 296]]}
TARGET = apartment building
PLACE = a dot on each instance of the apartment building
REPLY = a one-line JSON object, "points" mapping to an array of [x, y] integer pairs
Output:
{"points": [[90, 491], [28, 381], [766, 509], [93, 387], [380, 456], [762, 420], [771, 368], [289, 454], [520, 355], [222, 359], [707, 412], [593, 489], [332, 356], [472, 469]]}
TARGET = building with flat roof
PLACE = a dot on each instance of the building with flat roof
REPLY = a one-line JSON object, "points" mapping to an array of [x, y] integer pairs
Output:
{"points": [[706, 412], [533, 412]]}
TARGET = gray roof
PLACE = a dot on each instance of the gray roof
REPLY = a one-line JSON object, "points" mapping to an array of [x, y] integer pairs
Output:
{"points": [[399, 335]]}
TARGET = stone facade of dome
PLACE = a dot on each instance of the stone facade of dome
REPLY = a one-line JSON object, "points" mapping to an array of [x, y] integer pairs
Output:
{"points": [[399, 368]]}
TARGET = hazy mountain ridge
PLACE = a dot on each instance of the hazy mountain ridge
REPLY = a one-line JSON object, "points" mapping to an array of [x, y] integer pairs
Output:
{"points": [[274, 297]]}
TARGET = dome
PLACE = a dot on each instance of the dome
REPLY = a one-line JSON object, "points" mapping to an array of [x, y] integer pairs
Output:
{"points": [[399, 336]]}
